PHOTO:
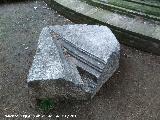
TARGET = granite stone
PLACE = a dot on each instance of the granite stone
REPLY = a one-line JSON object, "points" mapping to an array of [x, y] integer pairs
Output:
{"points": [[73, 61]]}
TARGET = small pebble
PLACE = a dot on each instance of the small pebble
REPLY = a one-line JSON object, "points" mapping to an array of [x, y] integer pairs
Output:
{"points": [[35, 8], [26, 48]]}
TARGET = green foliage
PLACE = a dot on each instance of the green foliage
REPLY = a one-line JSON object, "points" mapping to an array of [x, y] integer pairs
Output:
{"points": [[46, 104]]}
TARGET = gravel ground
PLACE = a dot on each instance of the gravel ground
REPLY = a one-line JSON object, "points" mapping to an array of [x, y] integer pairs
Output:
{"points": [[131, 94]]}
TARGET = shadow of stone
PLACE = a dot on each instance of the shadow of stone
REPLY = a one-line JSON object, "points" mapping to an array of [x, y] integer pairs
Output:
{"points": [[13, 1]]}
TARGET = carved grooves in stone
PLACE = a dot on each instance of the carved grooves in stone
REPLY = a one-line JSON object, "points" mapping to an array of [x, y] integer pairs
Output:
{"points": [[82, 57], [68, 54]]}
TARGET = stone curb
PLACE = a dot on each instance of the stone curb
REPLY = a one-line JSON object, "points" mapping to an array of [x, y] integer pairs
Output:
{"points": [[121, 10]]}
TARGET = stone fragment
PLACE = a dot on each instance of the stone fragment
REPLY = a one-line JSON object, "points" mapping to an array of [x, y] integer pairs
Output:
{"points": [[73, 61]]}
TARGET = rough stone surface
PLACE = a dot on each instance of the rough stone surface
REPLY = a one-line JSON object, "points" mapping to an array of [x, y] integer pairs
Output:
{"points": [[76, 60]]}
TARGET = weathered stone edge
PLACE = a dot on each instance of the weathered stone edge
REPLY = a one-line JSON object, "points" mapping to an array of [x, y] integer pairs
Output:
{"points": [[121, 10], [36, 87], [129, 38]]}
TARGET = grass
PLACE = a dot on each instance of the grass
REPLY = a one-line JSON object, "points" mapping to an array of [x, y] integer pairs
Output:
{"points": [[46, 104]]}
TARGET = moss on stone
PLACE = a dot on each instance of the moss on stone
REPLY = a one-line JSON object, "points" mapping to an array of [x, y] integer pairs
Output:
{"points": [[150, 8]]}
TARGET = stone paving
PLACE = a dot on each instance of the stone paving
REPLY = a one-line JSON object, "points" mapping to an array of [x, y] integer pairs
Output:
{"points": [[145, 6]]}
